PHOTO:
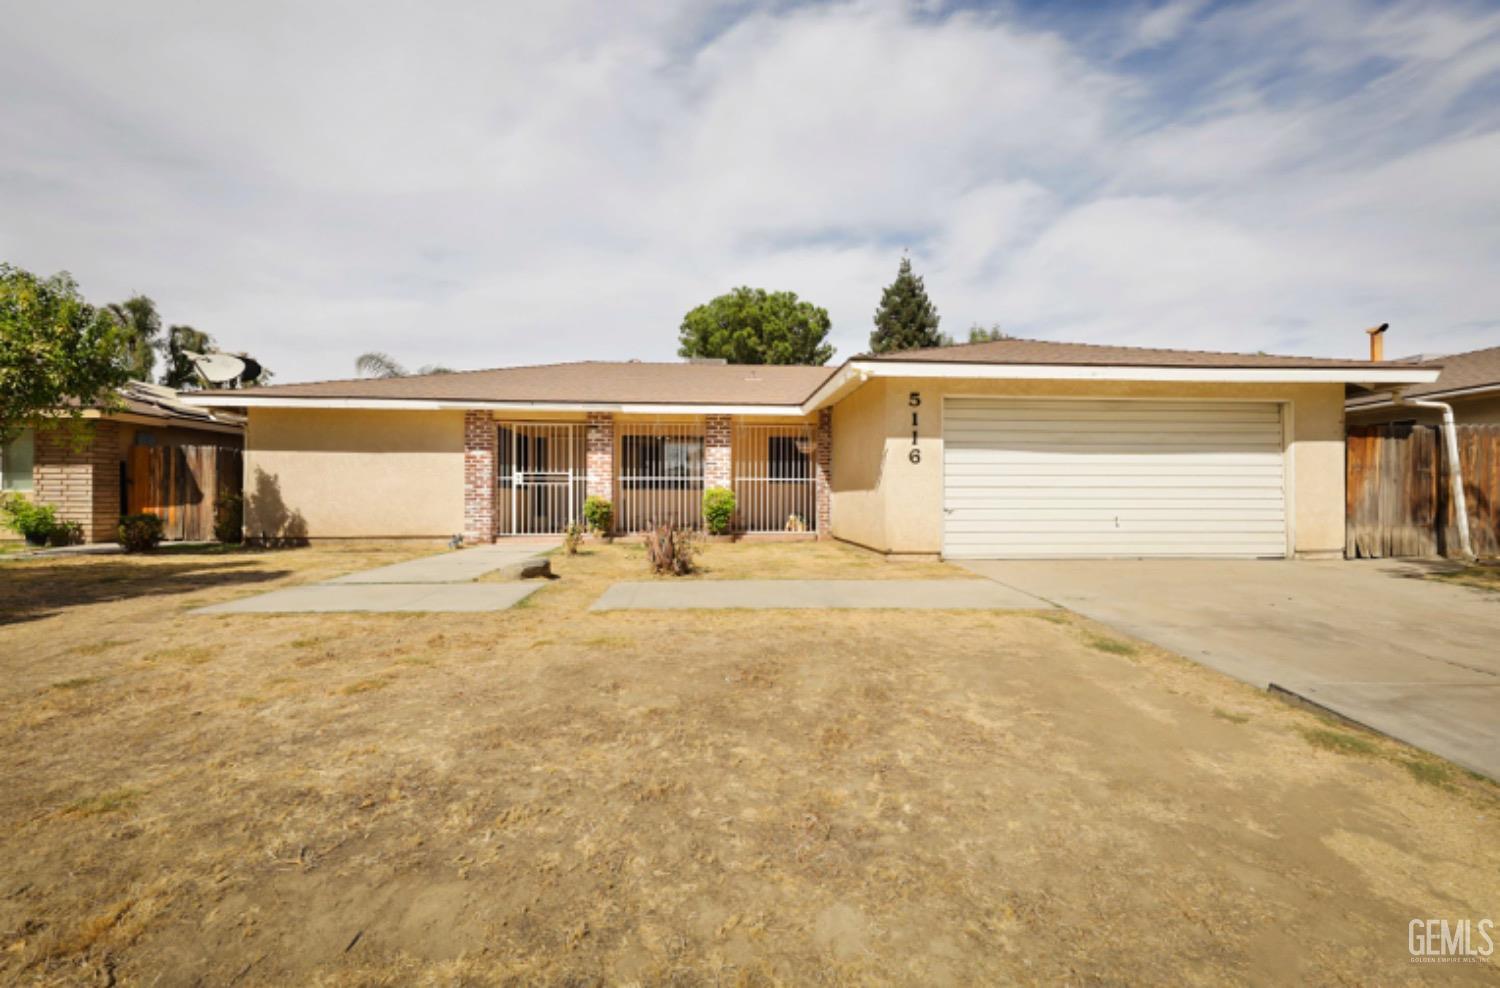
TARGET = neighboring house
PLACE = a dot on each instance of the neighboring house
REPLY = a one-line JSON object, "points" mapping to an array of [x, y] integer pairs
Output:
{"points": [[1000, 449], [1470, 382], [81, 468]]}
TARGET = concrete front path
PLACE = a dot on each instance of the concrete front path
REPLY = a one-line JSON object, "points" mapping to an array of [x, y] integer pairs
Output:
{"points": [[433, 584], [668, 595], [454, 566], [1416, 659], [381, 598]]}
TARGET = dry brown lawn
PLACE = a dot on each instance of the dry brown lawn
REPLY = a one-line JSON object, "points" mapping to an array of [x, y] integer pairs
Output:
{"points": [[550, 796]]}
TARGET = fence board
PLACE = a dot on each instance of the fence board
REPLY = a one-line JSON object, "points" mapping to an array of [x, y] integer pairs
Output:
{"points": [[1397, 495], [182, 485]]}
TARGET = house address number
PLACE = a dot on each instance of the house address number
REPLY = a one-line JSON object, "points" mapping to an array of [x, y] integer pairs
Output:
{"points": [[914, 401]]}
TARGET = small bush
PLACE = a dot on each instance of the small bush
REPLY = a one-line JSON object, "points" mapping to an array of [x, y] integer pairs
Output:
{"points": [[599, 514], [139, 533], [573, 538], [229, 519], [669, 550], [718, 510], [65, 533], [24, 517]]}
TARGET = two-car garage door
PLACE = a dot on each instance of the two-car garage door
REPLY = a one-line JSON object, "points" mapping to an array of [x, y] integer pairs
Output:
{"points": [[1057, 478]]}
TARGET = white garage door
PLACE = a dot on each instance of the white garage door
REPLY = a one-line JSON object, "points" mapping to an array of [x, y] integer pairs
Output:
{"points": [[1037, 477]]}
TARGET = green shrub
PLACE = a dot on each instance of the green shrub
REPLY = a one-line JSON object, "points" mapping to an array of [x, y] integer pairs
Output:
{"points": [[572, 538], [65, 533], [229, 519], [718, 510], [25, 517], [140, 532], [599, 514]]}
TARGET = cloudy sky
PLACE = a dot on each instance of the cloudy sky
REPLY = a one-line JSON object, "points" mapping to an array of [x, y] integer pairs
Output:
{"points": [[472, 185]]}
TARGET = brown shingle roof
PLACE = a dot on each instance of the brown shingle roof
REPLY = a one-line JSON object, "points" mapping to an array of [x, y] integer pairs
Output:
{"points": [[1017, 351], [585, 382], [1461, 371]]}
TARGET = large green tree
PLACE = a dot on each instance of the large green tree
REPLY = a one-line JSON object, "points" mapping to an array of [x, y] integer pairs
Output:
{"points": [[58, 354], [754, 326], [906, 318], [140, 326]]}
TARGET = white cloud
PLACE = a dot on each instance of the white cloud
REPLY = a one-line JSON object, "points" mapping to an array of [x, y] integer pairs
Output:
{"points": [[475, 186]]}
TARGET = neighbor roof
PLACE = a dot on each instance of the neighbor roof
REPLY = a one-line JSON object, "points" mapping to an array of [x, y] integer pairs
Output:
{"points": [[1019, 351], [1477, 369], [585, 382]]}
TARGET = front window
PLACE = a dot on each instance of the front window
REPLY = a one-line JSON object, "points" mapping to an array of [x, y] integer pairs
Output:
{"points": [[16, 460], [661, 461], [788, 458]]}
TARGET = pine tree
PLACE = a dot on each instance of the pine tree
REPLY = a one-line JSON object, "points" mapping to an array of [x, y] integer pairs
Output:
{"points": [[906, 319]]}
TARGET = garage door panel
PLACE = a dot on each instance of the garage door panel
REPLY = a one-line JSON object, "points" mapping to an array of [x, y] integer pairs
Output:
{"points": [[1113, 478]]}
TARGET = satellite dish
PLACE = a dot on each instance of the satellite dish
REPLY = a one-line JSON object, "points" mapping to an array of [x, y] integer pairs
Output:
{"points": [[252, 370], [217, 368]]}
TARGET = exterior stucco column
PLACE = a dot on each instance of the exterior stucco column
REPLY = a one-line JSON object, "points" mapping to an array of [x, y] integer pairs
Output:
{"points": [[600, 466], [822, 473], [480, 438], [717, 438]]}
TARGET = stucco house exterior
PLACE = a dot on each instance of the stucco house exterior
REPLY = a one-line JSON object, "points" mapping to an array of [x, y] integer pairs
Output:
{"points": [[1011, 448], [1469, 382], [81, 468]]}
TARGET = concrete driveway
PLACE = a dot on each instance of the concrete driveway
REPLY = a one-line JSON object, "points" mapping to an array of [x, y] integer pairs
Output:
{"points": [[1415, 659]]}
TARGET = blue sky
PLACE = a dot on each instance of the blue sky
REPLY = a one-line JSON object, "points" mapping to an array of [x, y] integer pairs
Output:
{"points": [[477, 186]]}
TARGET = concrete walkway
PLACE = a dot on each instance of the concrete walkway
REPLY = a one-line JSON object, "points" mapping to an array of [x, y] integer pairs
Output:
{"points": [[672, 595], [443, 583], [1412, 658]]}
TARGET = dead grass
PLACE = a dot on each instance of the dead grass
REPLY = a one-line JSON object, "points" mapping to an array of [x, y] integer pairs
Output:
{"points": [[1483, 576], [551, 796]]}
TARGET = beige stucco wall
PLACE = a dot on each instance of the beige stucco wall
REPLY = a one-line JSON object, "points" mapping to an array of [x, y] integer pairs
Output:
{"points": [[1471, 411], [883, 500], [346, 473]]}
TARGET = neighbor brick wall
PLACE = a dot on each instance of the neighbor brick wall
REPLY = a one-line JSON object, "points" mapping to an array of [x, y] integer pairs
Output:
{"points": [[822, 470], [80, 476], [717, 442], [480, 439], [601, 456]]}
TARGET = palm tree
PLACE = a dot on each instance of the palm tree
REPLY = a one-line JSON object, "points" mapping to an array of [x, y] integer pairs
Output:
{"points": [[179, 372], [377, 364], [140, 325]]}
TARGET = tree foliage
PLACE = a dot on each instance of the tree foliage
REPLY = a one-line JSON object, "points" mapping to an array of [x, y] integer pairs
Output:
{"points": [[377, 364], [58, 354], [753, 326], [980, 334], [140, 328], [179, 372], [906, 318]]}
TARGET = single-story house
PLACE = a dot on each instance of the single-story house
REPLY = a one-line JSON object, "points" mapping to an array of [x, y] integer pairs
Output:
{"points": [[82, 469], [999, 449], [1469, 382]]}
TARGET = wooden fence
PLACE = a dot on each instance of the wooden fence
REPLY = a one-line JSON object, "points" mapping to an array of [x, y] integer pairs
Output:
{"points": [[182, 484], [1398, 491]]}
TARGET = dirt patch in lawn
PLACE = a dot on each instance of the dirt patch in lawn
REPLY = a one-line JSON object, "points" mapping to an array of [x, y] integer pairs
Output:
{"points": [[547, 795]]}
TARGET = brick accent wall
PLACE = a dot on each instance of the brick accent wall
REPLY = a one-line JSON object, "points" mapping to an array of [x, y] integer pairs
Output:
{"points": [[81, 481], [823, 471], [600, 481], [480, 438], [718, 439]]}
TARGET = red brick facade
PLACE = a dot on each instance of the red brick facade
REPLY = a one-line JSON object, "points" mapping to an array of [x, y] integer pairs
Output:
{"points": [[480, 438], [718, 439], [601, 456], [78, 473], [822, 473]]}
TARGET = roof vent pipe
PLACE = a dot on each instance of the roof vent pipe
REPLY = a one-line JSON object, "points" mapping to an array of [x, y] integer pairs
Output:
{"points": [[1377, 341]]}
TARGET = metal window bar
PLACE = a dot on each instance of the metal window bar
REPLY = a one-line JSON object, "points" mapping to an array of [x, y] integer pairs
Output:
{"points": [[541, 475], [773, 478], [659, 475]]}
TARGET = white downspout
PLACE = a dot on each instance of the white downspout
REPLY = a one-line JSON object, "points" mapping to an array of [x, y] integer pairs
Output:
{"points": [[1455, 471]]}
